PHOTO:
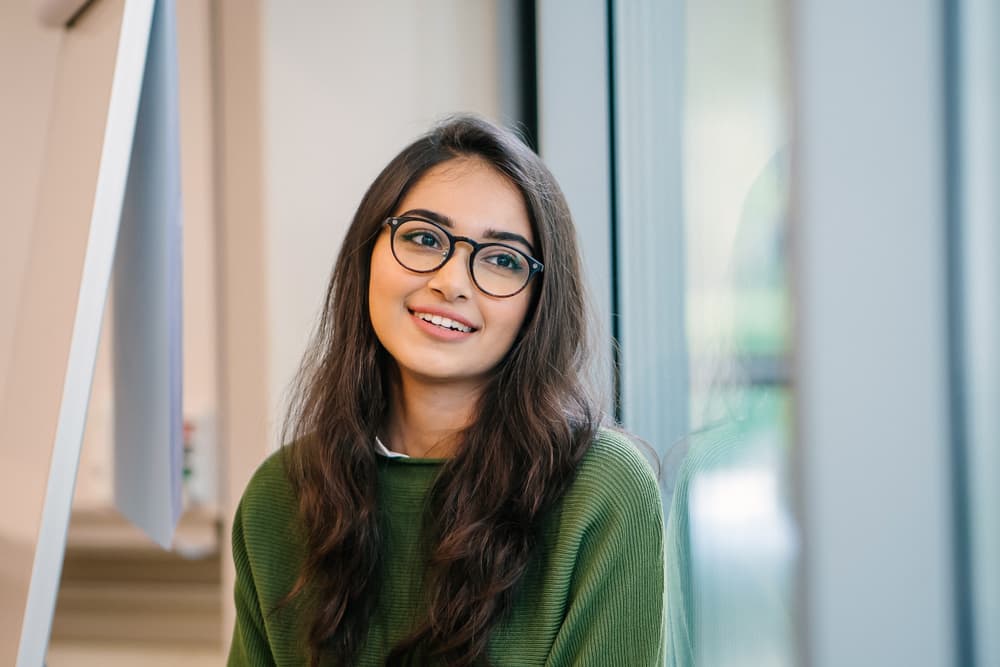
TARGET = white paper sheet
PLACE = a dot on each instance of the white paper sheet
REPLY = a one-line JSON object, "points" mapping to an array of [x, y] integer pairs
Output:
{"points": [[147, 315]]}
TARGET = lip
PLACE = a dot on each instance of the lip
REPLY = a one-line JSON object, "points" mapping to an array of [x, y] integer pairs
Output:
{"points": [[430, 310], [441, 333]]}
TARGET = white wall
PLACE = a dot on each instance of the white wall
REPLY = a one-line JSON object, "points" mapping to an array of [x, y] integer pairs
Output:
{"points": [[346, 86]]}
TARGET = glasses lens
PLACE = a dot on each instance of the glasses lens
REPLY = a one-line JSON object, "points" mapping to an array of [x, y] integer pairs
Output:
{"points": [[419, 245], [500, 270]]}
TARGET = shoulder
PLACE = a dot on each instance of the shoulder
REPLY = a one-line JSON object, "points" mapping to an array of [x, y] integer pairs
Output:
{"points": [[267, 542], [268, 499], [614, 465], [270, 478], [612, 512], [615, 478]]}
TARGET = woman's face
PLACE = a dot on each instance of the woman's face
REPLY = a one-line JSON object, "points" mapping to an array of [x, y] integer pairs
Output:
{"points": [[471, 199]]}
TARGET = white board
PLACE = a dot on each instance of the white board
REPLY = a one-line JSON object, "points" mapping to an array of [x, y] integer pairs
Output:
{"points": [[60, 292]]}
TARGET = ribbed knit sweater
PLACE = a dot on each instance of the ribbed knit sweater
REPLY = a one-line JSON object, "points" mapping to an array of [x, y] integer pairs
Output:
{"points": [[592, 595]]}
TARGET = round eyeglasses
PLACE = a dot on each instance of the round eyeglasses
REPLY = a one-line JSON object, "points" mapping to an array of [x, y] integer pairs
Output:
{"points": [[423, 246]]}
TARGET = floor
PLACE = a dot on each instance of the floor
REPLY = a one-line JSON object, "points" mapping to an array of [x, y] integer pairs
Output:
{"points": [[123, 602], [103, 654]]}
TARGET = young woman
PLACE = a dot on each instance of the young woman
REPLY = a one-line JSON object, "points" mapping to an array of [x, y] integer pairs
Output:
{"points": [[449, 496]]}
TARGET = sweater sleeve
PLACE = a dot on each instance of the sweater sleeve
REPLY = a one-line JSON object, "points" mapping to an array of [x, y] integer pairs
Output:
{"points": [[249, 647], [615, 608]]}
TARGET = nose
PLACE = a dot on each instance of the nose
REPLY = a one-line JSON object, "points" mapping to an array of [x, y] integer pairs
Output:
{"points": [[453, 280]]}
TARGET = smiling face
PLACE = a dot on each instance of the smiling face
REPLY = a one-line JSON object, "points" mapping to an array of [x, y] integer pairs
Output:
{"points": [[438, 326]]}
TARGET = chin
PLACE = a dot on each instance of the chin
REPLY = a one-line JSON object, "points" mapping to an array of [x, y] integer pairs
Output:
{"points": [[442, 377], [444, 373]]}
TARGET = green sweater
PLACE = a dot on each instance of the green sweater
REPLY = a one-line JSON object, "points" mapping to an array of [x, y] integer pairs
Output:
{"points": [[593, 594]]}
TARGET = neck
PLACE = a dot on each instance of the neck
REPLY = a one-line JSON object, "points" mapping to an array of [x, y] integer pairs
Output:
{"points": [[426, 418]]}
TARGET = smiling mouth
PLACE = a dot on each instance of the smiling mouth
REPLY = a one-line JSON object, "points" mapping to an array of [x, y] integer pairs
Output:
{"points": [[442, 322]]}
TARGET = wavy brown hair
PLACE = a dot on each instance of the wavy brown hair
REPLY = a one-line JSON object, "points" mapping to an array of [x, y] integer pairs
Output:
{"points": [[511, 464]]}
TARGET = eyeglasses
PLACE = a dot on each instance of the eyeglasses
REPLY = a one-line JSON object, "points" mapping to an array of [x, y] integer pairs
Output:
{"points": [[423, 246]]}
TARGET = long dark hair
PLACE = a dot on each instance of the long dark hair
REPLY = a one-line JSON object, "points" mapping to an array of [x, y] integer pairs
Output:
{"points": [[511, 464]]}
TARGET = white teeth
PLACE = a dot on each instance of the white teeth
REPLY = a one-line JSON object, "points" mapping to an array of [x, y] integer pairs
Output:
{"points": [[444, 322]]}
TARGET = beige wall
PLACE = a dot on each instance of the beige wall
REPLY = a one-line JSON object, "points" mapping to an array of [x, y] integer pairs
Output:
{"points": [[195, 74], [49, 220], [242, 315], [28, 60]]}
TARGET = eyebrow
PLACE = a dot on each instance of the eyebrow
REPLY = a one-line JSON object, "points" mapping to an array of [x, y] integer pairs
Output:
{"points": [[490, 233]]}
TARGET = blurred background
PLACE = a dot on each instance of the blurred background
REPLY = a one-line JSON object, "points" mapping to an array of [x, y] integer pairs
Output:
{"points": [[789, 218]]}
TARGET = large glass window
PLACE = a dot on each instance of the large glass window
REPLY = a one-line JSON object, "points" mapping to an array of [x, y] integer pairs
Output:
{"points": [[978, 275], [891, 555], [701, 180]]}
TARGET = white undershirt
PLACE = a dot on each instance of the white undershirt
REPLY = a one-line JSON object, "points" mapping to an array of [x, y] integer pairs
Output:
{"points": [[385, 451]]}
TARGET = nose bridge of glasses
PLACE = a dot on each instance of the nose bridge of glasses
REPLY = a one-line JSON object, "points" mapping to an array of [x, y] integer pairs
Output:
{"points": [[455, 258], [472, 244]]}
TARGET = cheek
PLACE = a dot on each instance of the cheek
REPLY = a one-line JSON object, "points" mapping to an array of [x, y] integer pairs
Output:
{"points": [[515, 316], [374, 290], [513, 326], [382, 278], [381, 296]]}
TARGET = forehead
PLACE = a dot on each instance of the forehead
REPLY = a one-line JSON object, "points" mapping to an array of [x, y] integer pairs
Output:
{"points": [[473, 195]]}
